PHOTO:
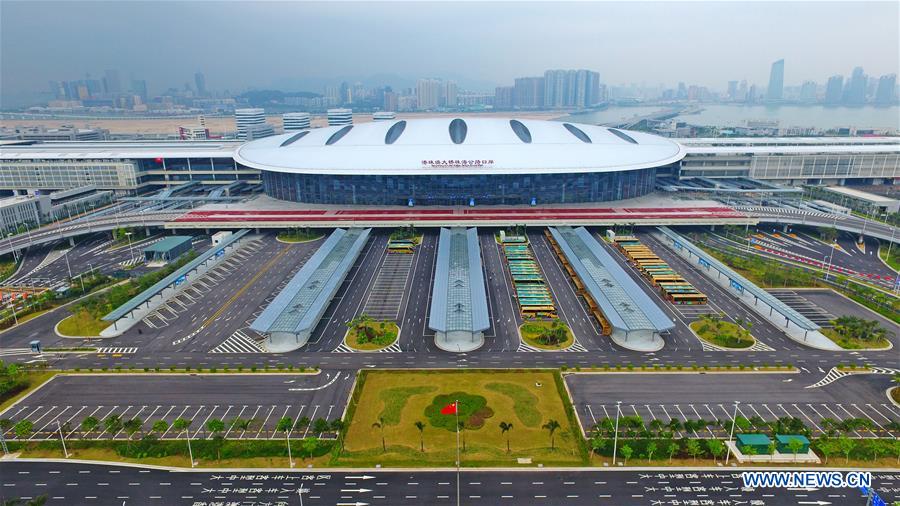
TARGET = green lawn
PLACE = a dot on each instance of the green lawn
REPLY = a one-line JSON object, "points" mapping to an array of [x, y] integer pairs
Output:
{"points": [[300, 235], [391, 330], [722, 333], [82, 323], [894, 260], [531, 331], [895, 394], [852, 343], [398, 399]]}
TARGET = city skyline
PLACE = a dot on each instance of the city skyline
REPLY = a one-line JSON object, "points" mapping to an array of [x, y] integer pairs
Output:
{"points": [[479, 58]]}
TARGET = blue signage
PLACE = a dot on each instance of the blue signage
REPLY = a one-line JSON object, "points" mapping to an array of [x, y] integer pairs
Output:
{"points": [[180, 279], [876, 500], [703, 262], [737, 286], [677, 245], [220, 253]]}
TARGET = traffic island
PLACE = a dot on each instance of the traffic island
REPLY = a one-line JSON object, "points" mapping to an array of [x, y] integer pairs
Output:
{"points": [[80, 324], [853, 333], [406, 419], [722, 334], [546, 335], [366, 334]]}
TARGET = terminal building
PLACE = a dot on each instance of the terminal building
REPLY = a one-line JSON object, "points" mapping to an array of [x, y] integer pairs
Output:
{"points": [[483, 161]]}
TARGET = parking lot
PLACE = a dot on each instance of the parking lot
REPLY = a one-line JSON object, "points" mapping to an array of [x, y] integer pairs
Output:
{"points": [[263, 397], [692, 396]]}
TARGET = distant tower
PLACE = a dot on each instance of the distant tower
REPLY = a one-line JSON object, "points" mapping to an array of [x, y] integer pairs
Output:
{"points": [[245, 119], [200, 81], [776, 81], [383, 116], [295, 121], [340, 117]]}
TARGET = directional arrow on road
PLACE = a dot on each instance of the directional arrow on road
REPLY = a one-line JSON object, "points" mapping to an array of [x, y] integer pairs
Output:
{"points": [[360, 490], [352, 504], [820, 503], [363, 477]]}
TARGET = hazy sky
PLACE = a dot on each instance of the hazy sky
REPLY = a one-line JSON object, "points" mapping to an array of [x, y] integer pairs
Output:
{"points": [[298, 44]]}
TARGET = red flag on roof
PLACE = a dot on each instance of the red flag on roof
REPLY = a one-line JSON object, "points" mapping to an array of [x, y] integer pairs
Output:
{"points": [[449, 409]]}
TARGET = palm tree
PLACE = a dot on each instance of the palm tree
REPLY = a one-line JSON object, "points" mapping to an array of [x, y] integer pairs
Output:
{"points": [[132, 426], [504, 429], [337, 425], [421, 426], [160, 427], [181, 425], [380, 426], [551, 426], [112, 424], [89, 425], [215, 427]]}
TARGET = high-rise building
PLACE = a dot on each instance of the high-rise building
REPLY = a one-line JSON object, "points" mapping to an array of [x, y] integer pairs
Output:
{"points": [[200, 81], [450, 94], [389, 101], [139, 88], [428, 93], [332, 95], [295, 121], [884, 95], [247, 118], [732, 90], [775, 91], [834, 89], [571, 88], [111, 82], [528, 92], [808, 91], [855, 91], [346, 93], [340, 117], [503, 97]]}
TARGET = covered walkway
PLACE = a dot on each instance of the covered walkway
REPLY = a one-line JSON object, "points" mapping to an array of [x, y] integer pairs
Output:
{"points": [[632, 319], [459, 314], [290, 319]]}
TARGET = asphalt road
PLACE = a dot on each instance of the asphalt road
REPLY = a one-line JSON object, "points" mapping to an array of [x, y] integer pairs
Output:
{"points": [[76, 483], [263, 397]]}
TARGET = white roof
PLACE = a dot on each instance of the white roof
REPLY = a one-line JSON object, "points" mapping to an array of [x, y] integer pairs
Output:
{"points": [[96, 150], [869, 197], [490, 146]]}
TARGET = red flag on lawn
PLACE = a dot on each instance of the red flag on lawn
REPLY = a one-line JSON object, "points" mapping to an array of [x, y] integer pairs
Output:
{"points": [[449, 409]]}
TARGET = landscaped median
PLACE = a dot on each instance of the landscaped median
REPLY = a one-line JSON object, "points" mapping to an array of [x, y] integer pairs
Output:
{"points": [[298, 235], [405, 418], [718, 332], [366, 334], [853, 333], [550, 335]]}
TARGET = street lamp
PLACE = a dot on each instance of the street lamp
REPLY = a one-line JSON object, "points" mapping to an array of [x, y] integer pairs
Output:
{"points": [[130, 251], [731, 435], [62, 438], [616, 432]]}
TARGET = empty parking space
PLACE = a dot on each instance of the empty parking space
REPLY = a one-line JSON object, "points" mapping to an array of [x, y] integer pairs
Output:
{"points": [[386, 295], [804, 306]]}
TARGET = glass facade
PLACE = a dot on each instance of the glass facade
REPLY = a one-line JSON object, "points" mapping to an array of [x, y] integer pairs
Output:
{"points": [[485, 189]]}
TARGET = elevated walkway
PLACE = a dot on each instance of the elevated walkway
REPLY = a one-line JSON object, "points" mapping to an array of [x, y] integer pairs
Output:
{"points": [[290, 319], [459, 313], [796, 326], [632, 319]]}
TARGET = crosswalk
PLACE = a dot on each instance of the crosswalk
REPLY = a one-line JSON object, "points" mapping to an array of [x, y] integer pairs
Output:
{"points": [[11, 352], [239, 342], [576, 347], [757, 346], [393, 348], [117, 350]]}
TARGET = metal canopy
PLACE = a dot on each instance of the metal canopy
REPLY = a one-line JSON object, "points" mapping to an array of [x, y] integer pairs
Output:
{"points": [[624, 304], [744, 284], [299, 305], [459, 301], [147, 294]]}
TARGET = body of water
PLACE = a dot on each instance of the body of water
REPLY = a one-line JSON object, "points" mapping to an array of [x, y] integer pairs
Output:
{"points": [[816, 116]]}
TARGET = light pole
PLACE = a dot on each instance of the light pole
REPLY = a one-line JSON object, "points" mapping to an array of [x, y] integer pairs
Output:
{"points": [[62, 438], [14, 251], [190, 452], [731, 435], [616, 432], [287, 439], [130, 251]]}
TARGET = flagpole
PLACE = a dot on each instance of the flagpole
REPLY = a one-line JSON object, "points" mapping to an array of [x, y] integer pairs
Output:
{"points": [[456, 411]]}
